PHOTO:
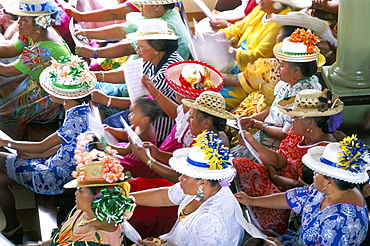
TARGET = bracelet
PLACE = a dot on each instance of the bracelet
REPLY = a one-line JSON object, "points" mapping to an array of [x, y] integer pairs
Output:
{"points": [[40, 243], [109, 101], [264, 127], [149, 163], [95, 53], [102, 79], [9, 145]]}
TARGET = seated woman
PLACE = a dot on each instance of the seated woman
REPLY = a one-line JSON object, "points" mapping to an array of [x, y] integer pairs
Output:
{"points": [[23, 100], [208, 212], [324, 205], [149, 10], [102, 201], [158, 52], [44, 167], [255, 36], [316, 115], [296, 74]]}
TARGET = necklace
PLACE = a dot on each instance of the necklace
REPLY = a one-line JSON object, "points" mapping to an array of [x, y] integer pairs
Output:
{"points": [[82, 222]]}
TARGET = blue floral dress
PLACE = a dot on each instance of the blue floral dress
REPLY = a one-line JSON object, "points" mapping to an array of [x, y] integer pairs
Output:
{"points": [[337, 224], [47, 176]]}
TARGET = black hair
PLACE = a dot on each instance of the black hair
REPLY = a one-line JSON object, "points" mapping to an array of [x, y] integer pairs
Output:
{"points": [[149, 107], [342, 185], [218, 122], [307, 68], [212, 182], [168, 6], [85, 99], [164, 45], [322, 123], [288, 30]]}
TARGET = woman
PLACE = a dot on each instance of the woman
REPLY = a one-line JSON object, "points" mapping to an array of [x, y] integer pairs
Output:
{"points": [[255, 36], [94, 220], [158, 51], [149, 10], [283, 169], [296, 74], [23, 100], [44, 167], [208, 214], [325, 205]]}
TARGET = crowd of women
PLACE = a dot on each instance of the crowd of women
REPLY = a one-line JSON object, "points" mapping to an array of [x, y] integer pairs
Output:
{"points": [[266, 121]]}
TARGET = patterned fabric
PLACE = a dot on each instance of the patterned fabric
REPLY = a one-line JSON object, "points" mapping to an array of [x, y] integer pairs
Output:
{"points": [[22, 99], [65, 235], [47, 176], [255, 181], [337, 224], [213, 223]]}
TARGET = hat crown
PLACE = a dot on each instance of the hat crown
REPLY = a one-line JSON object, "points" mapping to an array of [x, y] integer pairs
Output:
{"points": [[308, 99], [155, 26], [211, 100]]}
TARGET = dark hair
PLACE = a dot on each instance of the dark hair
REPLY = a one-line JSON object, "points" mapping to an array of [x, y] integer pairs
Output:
{"points": [[164, 45], [288, 30], [307, 68], [85, 99], [218, 122], [342, 185], [168, 6], [322, 123], [212, 182], [149, 107]]}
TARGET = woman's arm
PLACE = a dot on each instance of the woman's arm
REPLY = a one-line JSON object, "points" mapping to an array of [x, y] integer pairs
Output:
{"points": [[34, 147], [112, 51], [281, 181], [161, 156], [275, 132], [43, 155], [119, 102], [153, 197], [111, 32], [277, 200], [106, 14], [116, 76], [9, 70]]}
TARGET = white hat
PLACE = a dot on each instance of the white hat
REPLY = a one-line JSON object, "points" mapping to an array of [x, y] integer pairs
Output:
{"points": [[207, 159], [30, 7], [69, 78], [344, 161], [154, 2], [300, 4], [153, 29]]}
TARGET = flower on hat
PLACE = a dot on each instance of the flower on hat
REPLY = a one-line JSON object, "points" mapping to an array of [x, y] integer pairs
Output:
{"points": [[352, 157], [213, 148], [306, 37], [44, 21]]}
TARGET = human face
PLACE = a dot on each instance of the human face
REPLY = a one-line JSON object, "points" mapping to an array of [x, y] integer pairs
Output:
{"points": [[300, 125], [136, 115], [287, 74], [145, 51], [189, 185], [266, 6], [320, 182], [150, 11], [195, 123], [26, 25], [84, 198]]}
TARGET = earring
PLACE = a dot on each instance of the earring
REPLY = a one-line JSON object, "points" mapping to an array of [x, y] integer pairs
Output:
{"points": [[200, 195], [38, 31], [64, 103], [277, 5], [156, 9], [309, 129]]}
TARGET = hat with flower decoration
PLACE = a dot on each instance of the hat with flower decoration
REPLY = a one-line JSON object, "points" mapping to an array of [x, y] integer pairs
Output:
{"points": [[153, 29], [68, 78], [347, 160], [299, 47], [97, 167], [208, 159]]}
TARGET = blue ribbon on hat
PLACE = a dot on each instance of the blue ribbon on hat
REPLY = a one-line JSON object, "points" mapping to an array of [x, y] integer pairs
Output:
{"points": [[327, 162], [33, 7], [197, 163]]}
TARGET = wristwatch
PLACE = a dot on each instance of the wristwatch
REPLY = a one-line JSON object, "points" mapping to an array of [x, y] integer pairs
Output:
{"points": [[266, 125], [9, 145]]}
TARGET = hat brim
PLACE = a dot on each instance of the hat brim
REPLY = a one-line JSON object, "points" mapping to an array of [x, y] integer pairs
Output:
{"points": [[294, 57], [134, 36], [74, 184], [13, 8], [173, 73], [287, 107], [179, 163], [154, 2], [312, 160], [225, 115], [46, 84]]}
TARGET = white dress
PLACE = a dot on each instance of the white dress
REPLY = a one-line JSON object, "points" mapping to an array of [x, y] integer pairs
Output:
{"points": [[213, 223]]}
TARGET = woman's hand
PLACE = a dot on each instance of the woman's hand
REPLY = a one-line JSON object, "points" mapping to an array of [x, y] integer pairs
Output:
{"points": [[275, 240], [139, 152], [243, 198], [272, 172], [246, 123], [150, 86], [366, 191], [219, 24], [153, 149], [84, 51], [319, 4], [98, 96], [246, 136], [147, 243]]}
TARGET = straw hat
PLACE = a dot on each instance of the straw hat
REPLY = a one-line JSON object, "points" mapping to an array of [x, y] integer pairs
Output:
{"points": [[174, 72], [153, 29], [300, 4], [69, 78], [210, 102], [311, 103], [154, 2], [347, 160], [299, 47], [207, 159], [30, 7], [95, 167]]}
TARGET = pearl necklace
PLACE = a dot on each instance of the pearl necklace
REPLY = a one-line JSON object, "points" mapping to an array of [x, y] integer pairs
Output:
{"points": [[82, 223]]}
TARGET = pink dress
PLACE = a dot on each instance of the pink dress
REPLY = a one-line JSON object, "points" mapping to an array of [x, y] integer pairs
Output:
{"points": [[255, 181]]}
